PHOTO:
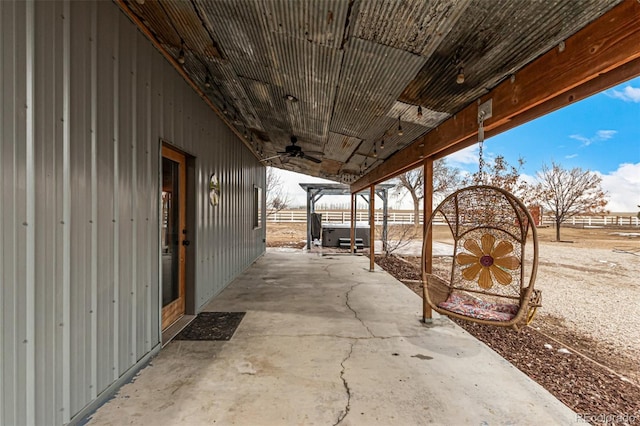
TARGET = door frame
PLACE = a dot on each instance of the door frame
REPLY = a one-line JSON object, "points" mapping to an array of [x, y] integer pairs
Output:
{"points": [[176, 309]]}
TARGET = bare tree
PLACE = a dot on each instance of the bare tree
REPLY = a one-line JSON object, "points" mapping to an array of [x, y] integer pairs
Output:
{"points": [[413, 183], [503, 175], [277, 198], [445, 180], [567, 193]]}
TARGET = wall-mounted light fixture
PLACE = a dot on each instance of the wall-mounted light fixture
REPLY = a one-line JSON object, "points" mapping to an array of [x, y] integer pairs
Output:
{"points": [[214, 190]]}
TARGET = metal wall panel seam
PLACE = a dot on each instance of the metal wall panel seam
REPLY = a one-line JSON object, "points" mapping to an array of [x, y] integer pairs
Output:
{"points": [[116, 203], [134, 205], [11, 309], [3, 383], [80, 228], [159, 230], [161, 132], [66, 216], [94, 201], [29, 308], [149, 206], [123, 214]]}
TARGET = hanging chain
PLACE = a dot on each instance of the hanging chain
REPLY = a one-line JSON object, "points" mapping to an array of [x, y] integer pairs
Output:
{"points": [[480, 178]]}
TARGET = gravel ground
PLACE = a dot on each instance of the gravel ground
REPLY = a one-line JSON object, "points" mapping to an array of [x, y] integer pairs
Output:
{"points": [[595, 293]]}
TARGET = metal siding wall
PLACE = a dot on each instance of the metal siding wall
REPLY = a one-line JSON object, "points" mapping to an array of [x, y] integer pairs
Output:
{"points": [[79, 259]]}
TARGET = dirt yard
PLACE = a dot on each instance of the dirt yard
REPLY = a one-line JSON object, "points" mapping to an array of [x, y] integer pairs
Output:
{"points": [[584, 344]]}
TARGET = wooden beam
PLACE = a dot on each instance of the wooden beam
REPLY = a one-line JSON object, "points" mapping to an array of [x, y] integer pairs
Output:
{"points": [[608, 43]]}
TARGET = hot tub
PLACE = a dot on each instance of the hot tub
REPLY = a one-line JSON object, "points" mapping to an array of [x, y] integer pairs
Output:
{"points": [[333, 232]]}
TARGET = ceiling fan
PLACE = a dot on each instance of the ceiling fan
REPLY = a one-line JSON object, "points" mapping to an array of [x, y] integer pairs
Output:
{"points": [[295, 151]]}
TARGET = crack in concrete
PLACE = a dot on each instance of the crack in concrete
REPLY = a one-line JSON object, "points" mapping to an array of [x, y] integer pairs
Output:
{"points": [[355, 314], [347, 389]]}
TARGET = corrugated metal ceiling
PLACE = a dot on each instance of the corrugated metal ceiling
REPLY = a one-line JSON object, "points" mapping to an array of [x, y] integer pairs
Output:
{"points": [[355, 69]]}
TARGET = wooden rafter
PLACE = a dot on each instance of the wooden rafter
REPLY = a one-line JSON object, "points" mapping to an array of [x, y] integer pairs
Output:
{"points": [[603, 54]]}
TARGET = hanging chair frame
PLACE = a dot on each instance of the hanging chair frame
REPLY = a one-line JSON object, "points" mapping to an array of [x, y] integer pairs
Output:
{"points": [[436, 290]]}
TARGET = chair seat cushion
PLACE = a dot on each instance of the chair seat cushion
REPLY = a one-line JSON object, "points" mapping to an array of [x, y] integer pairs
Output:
{"points": [[479, 309]]}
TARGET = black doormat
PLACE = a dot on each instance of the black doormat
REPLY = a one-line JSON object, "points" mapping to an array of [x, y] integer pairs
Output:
{"points": [[212, 326]]}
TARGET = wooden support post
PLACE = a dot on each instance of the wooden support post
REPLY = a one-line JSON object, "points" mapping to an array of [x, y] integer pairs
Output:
{"points": [[353, 222], [309, 209], [372, 228], [427, 254]]}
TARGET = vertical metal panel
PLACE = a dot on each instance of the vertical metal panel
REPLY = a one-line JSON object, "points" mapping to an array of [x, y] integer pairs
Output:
{"points": [[105, 175], [49, 212], [17, 163], [29, 283], [124, 189], [144, 200], [93, 97], [79, 225]]}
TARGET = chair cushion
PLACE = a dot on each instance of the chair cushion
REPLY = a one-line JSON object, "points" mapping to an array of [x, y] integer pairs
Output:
{"points": [[476, 308]]}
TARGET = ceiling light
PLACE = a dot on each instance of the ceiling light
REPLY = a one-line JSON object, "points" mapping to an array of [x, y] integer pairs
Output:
{"points": [[375, 153], [291, 98], [382, 144], [419, 111], [400, 132], [207, 82], [460, 77]]}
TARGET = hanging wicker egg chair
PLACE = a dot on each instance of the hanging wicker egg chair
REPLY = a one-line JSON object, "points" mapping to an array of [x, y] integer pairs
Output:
{"points": [[491, 279]]}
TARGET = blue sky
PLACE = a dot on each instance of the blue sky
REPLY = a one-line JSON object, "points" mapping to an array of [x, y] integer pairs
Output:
{"points": [[600, 133]]}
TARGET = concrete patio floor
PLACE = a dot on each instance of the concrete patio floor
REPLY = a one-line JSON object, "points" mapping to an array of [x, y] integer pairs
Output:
{"points": [[326, 342]]}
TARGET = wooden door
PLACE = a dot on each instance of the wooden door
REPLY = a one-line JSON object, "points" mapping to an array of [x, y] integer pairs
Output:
{"points": [[173, 235]]}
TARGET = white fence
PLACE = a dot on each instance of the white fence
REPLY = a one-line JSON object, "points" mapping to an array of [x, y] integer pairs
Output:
{"points": [[400, 216], [341, 216]]}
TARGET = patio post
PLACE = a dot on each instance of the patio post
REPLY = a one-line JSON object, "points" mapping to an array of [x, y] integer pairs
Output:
{"points": [[372, 227], [427, 263], [353, 222], [309, 195]]}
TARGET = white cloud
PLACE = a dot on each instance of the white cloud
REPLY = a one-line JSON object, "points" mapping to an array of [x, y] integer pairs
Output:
{"points": [[601, 135], [585, 141], [628, 94], [605, 134], [623, 187], [468, 155], [569, 157]]}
